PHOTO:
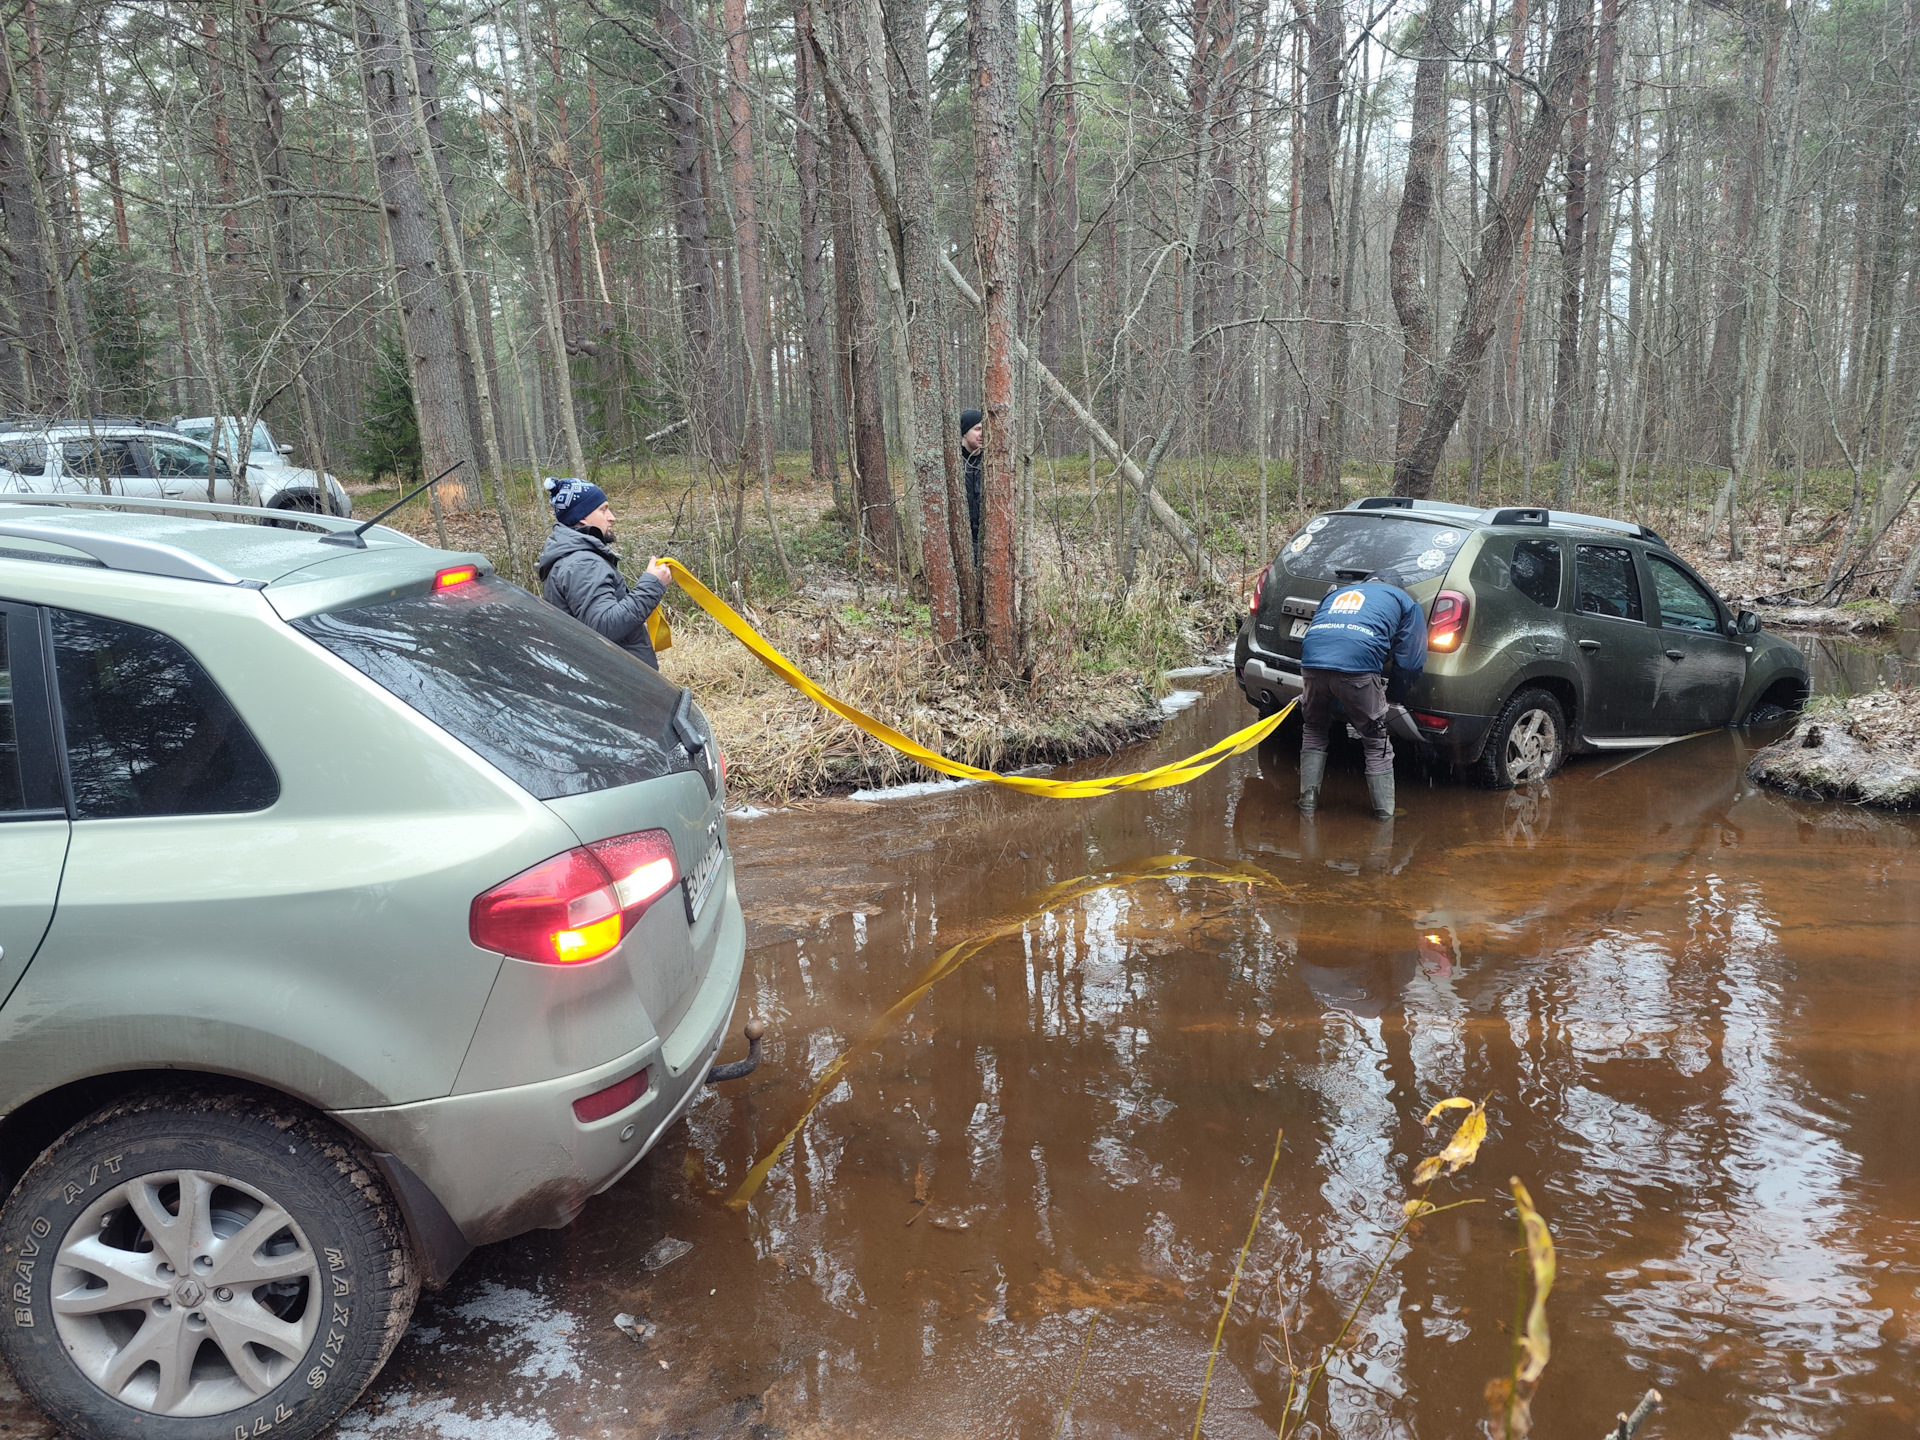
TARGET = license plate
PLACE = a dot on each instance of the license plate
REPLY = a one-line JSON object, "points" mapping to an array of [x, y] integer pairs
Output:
{"points": [[700, 883], [1299, 630]]}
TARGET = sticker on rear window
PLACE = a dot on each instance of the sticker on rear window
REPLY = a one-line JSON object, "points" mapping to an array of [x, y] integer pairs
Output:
{"points": [[1447, 538], [1431, 559], [1316, 525], [1300, 543]]}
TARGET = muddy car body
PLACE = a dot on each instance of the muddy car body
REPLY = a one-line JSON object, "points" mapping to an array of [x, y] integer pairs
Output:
{"points": [[356, 908], [1549, 633]]}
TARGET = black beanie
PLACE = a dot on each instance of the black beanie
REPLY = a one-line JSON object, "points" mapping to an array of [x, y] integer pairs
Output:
{"points": [[969, 419]]}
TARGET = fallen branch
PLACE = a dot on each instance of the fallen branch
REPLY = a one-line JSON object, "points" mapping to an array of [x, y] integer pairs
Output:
{"points": [[1649, 1402]]}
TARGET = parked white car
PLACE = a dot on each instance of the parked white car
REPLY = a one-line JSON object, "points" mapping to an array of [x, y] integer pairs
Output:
{"points": [[149, 461], [262, 454]]}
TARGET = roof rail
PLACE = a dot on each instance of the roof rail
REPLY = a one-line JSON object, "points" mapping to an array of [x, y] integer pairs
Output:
{"points": [[181, 507], [1383, 502], [1407, 502], [119, 552], [82, 422]]}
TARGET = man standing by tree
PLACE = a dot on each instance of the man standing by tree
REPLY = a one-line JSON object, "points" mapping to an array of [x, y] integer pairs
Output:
{"points": [[1355, 633], [972, 435]]}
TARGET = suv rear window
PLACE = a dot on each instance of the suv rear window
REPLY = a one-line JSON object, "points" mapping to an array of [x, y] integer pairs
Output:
{"points": [[538, 695], [1410, 550]]}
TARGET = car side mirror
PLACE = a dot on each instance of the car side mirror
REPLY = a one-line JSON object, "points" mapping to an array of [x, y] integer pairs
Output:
{"points": [[1747, 624], [286, 449]]}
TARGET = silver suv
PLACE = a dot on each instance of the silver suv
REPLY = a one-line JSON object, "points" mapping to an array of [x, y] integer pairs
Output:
{"points": [[144, 460], [356, 908]]}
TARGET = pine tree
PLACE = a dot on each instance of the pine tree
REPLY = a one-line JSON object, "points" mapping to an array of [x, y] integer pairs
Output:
{"points": [[389, 441]]}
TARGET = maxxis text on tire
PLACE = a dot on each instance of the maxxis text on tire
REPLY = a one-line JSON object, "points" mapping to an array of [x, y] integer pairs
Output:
{"points": [[276, 1301]]}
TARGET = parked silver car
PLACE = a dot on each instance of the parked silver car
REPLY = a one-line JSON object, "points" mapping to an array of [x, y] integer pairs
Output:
{"points": [[356, 908], [149, 461], [270, 468]]}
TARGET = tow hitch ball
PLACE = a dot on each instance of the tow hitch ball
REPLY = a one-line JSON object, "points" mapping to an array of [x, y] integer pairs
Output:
{"points": [[747, 1066]]}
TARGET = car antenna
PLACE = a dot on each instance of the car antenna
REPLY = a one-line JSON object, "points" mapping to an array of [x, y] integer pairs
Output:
{"points": [[355, 539]]}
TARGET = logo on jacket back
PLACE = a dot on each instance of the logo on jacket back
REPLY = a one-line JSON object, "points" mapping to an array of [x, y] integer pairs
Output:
{"points": [[1348, 603]]}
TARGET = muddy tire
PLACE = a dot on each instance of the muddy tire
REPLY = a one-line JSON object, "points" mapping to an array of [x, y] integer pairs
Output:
{"points": [[1528, 742], [198, 1266]]}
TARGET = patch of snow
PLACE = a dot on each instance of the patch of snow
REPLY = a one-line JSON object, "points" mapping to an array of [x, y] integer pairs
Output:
{"points": [[534, 1329], [908, 792], [439, 1418], [1196, 672], [749, 812], [1177, 700]]}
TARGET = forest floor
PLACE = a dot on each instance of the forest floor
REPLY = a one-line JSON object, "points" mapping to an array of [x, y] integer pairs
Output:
{"points": [[1861, 748], [1100, 652]]}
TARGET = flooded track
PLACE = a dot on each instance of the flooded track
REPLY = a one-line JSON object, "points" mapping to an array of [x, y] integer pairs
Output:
{"points": [[1695, 1007]]}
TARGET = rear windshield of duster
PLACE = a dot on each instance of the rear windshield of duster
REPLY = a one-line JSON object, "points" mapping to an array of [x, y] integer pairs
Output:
{"points": [[1363, 542], [538, 695]]}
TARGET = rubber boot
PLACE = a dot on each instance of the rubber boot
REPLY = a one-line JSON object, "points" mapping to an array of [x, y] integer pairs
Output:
{"points": [[1313, 769], [1380, 792]]}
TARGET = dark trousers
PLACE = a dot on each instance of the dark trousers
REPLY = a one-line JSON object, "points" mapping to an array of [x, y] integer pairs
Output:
{"points": [[1364, 697]]}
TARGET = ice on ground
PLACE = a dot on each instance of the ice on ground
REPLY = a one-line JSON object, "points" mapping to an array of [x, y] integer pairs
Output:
{"points": [[438, 1418], [532, 1328], [933, 787], [1177, 700], [1196, 672], [749, 812]]}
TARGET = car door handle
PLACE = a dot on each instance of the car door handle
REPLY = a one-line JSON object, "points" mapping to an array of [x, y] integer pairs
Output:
{"points": [[1589, 644], [1676, 654]]}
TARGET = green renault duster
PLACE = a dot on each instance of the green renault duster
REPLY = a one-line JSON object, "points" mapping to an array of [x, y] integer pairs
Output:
{"points": [[1547, 633], [356, 909]]}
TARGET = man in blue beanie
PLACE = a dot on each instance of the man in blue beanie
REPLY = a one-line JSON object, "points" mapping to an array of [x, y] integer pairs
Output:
{"points": [[580, 573], [1355, 634]]}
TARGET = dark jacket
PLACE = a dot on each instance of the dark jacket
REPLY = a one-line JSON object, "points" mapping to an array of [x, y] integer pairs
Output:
{"points": [[975, 461], [581, 575], [1358, 628]]}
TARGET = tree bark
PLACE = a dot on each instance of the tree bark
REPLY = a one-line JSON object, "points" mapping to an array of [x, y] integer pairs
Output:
{"points": [[45, 386], [1414, 470], [946, 548], [420, 286], [1412, 303], [1320, 126], [746, 247], [816, 334], [1573, 273], [992, 27]]}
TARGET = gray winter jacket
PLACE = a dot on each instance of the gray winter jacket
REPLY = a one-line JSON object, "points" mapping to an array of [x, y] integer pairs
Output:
{"points": [[581, 575]]}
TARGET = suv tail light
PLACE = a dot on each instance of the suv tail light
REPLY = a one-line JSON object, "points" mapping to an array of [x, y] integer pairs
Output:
{"points": [[1447, 625], [579, 905], [1259, 592]]}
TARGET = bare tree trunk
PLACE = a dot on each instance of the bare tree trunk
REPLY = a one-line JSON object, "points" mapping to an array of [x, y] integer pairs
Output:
{"points": [[746, 246], [810, 174], [1425, 154], [946, 547], [289, 278], [991, 31], [699, 285], [1414, 470], [475, 372], [1573, 273], [426, 317], [1320, 127], [44, 380]]}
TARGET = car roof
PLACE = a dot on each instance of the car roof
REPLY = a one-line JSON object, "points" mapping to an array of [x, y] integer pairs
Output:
{"points": [[80, 429], [1537, 516], [192, 543]]}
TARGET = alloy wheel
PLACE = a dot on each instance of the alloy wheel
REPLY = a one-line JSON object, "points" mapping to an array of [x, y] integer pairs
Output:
{"points": [[1533, 746], [186, 1293]]}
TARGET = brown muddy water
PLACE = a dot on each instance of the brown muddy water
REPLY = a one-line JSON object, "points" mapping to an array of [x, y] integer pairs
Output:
{"points": [[1693, 1006]]}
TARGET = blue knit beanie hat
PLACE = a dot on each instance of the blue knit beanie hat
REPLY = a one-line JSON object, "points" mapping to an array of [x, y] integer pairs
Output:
{"points": [[573, 500]]}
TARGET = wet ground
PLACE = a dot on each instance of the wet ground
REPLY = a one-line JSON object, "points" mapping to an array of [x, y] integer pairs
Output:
{"points": [[1693, 1008], [966, 1176]]}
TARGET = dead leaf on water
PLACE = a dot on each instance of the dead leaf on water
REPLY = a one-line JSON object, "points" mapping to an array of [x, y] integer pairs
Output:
{"points": [[1452, 1102], [1534, 1342], [1462, 1148]]}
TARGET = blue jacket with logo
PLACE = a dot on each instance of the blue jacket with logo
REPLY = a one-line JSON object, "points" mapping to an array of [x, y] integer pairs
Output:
{"points": [[1358, 627]]}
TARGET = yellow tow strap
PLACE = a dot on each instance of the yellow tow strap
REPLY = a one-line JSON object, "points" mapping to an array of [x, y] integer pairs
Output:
{"points": [[1177, 772]]}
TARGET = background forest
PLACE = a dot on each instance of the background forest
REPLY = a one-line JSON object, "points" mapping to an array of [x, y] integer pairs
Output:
{"points": [[1197, 260]]}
